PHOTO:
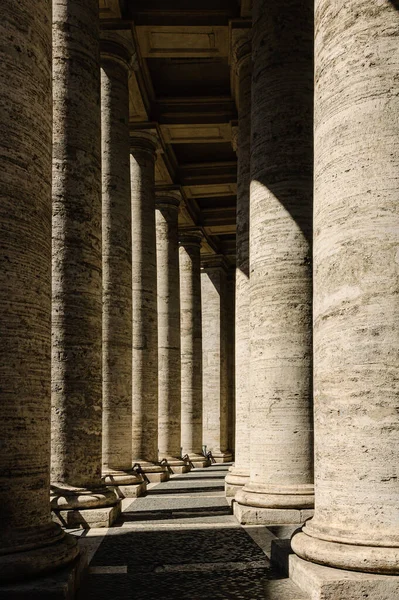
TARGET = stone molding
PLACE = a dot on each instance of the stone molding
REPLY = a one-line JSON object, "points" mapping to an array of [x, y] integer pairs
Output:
{"points": [[192, 236], [214, 261], [118, 46]]}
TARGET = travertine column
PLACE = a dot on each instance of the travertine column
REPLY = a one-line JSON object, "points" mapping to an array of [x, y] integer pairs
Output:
{"points": [[30, 543], [230, 326], [356, 309], [239, 473], [77, 294], [169, 369], [143, 146], [214, 357], [280, 489], [116, 57], [191, 345]]}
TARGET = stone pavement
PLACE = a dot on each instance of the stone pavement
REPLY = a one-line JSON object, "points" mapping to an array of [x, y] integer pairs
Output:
{"points": [[181, 542]]}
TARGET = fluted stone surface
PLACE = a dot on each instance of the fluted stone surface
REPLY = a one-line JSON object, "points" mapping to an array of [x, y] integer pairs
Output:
{"points": [[30, 543], [77, 272], [117, 265], [145, 325], [191, 344], [169, 361], [230, 326], [214, 357], [239, 472], [281, 472], [356, 309]]}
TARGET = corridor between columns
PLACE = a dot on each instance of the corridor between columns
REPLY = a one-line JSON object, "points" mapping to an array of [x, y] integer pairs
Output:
{"points": [[181, 542]]}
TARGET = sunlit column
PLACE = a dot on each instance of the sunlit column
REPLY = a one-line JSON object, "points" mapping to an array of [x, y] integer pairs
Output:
{"points": [[280, 489]]}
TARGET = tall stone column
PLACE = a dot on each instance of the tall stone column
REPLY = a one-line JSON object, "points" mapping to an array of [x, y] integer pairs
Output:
{"points": [[214, 357], [280, 489], [79, 496], [143, 146], [239, 473], [356, 307], [169, 369], [191, 345], [116, 58], [30, 543], [231, 290]]}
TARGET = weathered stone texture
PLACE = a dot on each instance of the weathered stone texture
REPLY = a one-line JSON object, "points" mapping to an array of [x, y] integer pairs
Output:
{"points": [[145, 335], [117, 264], [239, 472], [214, 357], [77, 262], [356, 283], [280, 258], [29, 542], [169, 369], [191, 341]]}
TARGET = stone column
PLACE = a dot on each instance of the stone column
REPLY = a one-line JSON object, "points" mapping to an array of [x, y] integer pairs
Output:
{"points": [[30, 543], [280, 489], [191, 345], [143, 146], [169, 369], [356, 307], [79, 496], [214, 357], [116, 58], [230, 327], [239, 473]]}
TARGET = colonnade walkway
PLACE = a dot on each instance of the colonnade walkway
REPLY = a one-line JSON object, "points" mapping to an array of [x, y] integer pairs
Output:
{"points": [[181, 542]]}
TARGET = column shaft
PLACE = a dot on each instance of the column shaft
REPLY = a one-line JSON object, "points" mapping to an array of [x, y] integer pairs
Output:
{"points": [[214, 357], [191, 345], [30, 543], [169, 373], [145, 324], [117, 268], [356, 285], [239, 473], [281, 472], [77, 272]]}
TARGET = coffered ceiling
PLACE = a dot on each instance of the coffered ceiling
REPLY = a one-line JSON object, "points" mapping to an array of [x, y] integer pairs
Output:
{"points": [[183, 89]]}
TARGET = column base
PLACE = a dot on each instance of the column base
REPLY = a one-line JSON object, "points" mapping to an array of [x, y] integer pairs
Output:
{"points": [[253, 515], [153, 472], [222, 457], [63, 584], [125, 484], [176, 465], [198, 461], [272, 504], [36, 552], [235, 480], [326, 583], [88, 518]]}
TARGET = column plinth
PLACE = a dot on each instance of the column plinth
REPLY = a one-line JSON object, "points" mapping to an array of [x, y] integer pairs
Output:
{"points": [[214, 357], [356, 307], [169, 371], [280, 374], [116, 58], [31, 545], [191, 346], [239, 473], [143, 147], [79, 497]]}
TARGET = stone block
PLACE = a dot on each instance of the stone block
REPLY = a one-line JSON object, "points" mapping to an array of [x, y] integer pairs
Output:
{"points": [[252, 515], [325, 583], [63, 584], [129, 491], [157, 477], [178, 470], [230, 490], [87, 518]]}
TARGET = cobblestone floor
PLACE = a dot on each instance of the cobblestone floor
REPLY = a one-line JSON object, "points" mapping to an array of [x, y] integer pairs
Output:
{"points": [[181, 542]]}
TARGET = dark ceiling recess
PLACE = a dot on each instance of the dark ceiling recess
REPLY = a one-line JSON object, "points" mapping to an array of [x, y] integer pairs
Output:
{"points": [[203, 153], [181, 12]]}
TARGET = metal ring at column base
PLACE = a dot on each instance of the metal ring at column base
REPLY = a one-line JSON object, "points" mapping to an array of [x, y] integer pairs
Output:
{"points": [[268, 496], [68, 498], [49, 553], [349, 557]]}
